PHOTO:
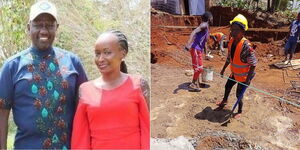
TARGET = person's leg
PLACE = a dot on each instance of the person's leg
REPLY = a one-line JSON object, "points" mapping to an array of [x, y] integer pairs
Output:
{"points": [[228, 87], [286, 51], [239, 93], [292, 50], [197, 66]]}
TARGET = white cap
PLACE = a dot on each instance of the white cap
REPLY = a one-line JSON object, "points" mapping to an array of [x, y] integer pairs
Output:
{"points": [[41, 7]]}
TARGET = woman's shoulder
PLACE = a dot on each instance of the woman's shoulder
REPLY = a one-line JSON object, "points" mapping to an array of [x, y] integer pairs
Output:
{"points": [[86, 84], [87, 88], [89, 94]]}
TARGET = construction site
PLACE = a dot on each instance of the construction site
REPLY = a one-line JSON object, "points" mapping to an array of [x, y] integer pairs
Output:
{"points": [[270, 119]]}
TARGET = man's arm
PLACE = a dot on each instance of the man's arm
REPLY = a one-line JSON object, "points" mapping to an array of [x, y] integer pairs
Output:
{"points": [[6, 101], [4, 114], [248, 56], [250, 75], [224, 67], [227, 62]]}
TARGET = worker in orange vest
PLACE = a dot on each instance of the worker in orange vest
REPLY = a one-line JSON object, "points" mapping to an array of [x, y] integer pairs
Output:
{"points": [[218, 41], [242, 60]]}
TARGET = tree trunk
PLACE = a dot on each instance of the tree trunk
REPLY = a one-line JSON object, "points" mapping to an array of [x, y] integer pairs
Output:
{"points": [[269, 5]]}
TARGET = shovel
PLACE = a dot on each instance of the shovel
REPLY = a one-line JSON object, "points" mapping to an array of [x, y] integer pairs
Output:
{"points": [[230, 115]]}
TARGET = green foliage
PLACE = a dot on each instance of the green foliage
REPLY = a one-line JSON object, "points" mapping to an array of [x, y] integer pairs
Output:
{"points": [[11, 133], [14, 17], [288, 15], [236, 3], [10, 141], [134, 18], [280, 4]]}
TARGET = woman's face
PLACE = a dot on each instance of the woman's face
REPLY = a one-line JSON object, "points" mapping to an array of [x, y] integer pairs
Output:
{"points": [[108, 53], [235, 31]]}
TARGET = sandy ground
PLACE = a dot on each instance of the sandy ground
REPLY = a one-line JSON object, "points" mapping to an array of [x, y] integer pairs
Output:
{"points": [[266, 123]]}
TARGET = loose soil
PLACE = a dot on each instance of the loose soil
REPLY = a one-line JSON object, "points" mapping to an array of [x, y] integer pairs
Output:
{"points": [[266, 122]]}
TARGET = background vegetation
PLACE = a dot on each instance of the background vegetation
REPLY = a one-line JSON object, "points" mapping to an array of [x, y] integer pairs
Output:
{"points": [[81, 21], [282, 8]]}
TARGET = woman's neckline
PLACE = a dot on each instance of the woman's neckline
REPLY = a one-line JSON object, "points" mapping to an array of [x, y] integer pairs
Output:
{"points": [[97, 83]]}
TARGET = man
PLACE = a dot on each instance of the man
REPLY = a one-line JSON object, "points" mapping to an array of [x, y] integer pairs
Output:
{"points": [[218, 41], [291, 43], [197, 45], [242, 60], [40, 85]]}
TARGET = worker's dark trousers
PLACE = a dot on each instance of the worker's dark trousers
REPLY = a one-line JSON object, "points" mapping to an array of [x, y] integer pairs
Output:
{"points": [[228, 87]]}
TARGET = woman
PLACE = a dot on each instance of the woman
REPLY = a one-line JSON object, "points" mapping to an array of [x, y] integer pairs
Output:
{"points": [[196, 45], [113, 110]]}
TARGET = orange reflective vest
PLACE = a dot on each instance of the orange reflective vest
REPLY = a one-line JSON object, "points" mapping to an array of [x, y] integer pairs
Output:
{"points": [[218, 35], [239, 69]]}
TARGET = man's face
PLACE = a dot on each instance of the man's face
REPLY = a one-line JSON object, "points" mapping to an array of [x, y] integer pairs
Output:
{"points": [[42, 31], [236, 31]]}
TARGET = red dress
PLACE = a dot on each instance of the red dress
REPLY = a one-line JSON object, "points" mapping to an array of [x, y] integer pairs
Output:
{"points": [[112, 119]]}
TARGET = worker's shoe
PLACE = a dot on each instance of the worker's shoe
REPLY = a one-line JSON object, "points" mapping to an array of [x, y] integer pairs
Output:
{"points": [[194, 87]]}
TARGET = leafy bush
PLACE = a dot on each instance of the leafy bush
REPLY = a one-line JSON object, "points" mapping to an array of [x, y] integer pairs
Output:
{"points": [[235, 3]]}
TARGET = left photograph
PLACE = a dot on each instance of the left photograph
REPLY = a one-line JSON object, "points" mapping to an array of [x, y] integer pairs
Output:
{"points": [[75, 74]]}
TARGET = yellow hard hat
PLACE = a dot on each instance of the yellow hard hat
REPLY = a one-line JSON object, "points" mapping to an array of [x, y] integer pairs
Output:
{"points": [[240, 19]]}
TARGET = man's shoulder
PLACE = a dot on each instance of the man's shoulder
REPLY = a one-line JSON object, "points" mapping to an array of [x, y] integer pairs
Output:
{"points": [[65, 52], [17, 56], [248, 46]]}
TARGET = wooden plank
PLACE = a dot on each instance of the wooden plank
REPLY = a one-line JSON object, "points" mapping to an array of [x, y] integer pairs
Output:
{"points": [[294, 63], [296, 85], [267, 30], [296, 67], [281, 65], [178, 27]]}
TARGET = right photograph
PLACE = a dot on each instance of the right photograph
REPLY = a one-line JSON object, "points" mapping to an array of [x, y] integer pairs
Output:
{"points": [[225, 74]]}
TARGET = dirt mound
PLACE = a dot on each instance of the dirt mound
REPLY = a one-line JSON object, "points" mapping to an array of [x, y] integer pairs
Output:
{"points": [[163, 18], [224, 140]]}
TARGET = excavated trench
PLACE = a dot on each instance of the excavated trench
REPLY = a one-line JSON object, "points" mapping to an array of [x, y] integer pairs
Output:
{"points": [[264, 29]]}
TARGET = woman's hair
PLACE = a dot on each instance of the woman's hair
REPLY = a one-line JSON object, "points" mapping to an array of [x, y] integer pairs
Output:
{"points": [[122, 39]]}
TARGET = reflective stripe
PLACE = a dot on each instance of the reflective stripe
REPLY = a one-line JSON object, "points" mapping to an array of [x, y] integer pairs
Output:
{"points": [[198, 68], [240, 74], [239, 66]]}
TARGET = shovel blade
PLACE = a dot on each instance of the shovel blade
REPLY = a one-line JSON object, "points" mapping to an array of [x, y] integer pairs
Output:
{"points": [[228, 118]]}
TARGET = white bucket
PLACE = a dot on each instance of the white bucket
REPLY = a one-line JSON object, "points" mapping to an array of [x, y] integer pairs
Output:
{"points": [[207, 74]]}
